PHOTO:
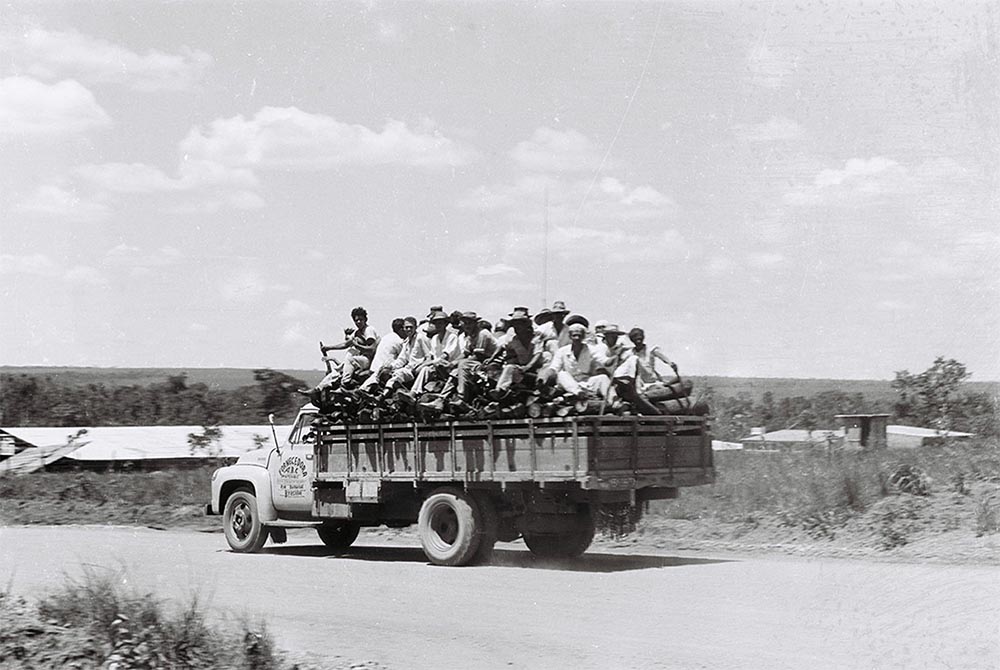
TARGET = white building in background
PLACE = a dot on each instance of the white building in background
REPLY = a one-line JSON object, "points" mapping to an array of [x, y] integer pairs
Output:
{"points": [[911, 437], [141, 447]]}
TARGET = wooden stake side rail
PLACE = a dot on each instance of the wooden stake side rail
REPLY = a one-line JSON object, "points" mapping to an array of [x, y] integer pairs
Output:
{"points": [[591, 450]]}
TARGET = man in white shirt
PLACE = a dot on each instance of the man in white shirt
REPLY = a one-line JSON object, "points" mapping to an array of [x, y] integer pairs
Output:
{"points": [[434, 355], [385, 354], [577, 369]]}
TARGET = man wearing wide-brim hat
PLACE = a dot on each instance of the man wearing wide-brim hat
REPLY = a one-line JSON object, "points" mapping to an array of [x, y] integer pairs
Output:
{"points": [[434, 354], [613, 347], [522, 352], [552, 327]]}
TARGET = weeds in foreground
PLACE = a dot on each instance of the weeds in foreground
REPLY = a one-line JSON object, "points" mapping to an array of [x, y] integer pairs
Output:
{"points": [[95, 622]]}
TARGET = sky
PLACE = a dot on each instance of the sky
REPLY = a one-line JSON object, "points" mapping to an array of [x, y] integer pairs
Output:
{"points": [[777, 189]]}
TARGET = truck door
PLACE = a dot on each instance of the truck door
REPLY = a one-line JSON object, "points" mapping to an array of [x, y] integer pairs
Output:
{"points": [[293, 471]]}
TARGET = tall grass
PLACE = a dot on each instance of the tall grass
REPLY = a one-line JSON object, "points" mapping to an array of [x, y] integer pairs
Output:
{"points": [[817, 490], [96, 622]]}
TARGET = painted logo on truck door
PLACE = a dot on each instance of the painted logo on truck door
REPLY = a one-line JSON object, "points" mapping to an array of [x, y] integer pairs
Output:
{"points": [[292, 480]]}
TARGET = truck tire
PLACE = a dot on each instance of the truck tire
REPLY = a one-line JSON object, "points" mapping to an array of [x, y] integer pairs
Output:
{"points": [[339, 536], [241, 523], [569, 544], [491, 528], [450, 526]]}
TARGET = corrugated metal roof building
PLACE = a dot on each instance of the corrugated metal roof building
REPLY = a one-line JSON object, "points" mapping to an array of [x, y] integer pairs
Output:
{"points": [[146, 447], [911, 437], [793, 438]]}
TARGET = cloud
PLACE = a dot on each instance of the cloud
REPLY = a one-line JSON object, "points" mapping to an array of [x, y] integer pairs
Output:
{"points": [[551, 150], [854, 169], [498, 278], [769, 66], [288, 138], [29, 107], [858, 180], [84, 274], [296, 309], [133, 257], [35, 264], [246, 285], [774, 130], [213, 187], [56, 202], [40, 265], [197, 328], [765, 260], [570, 200], [50, 54]]}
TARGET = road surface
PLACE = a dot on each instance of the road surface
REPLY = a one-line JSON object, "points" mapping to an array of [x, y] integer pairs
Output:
{"points": [[388, 605]]}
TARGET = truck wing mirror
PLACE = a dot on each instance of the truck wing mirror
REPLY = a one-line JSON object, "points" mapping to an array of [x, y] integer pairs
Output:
{"points": [[274, 434]]}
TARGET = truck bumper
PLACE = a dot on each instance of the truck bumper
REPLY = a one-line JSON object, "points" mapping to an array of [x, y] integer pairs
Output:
{"points": [[208, 510]]}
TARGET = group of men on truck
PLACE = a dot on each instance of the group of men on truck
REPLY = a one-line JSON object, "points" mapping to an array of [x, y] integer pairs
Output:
{"points": [[459, 365]]}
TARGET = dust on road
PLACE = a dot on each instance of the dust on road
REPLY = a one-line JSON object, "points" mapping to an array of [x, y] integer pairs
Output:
{"points": [[386, 604]]}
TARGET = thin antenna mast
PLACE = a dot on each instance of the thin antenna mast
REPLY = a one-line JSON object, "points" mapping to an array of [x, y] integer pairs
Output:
{"points": [[545, 252]]}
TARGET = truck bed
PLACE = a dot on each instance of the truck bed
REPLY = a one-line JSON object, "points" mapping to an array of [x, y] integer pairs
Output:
{"points": [[595, 452]]}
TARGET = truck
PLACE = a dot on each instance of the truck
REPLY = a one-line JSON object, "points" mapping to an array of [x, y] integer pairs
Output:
{"points": [[465, 484]]}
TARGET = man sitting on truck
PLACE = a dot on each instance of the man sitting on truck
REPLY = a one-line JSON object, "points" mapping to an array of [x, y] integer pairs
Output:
{"points": [[360, 343], [385, 355], [475, 346], [400, 375], [521, 354], [435, 354], [577, 369]]}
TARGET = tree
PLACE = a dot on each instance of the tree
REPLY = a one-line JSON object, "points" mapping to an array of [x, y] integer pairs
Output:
{"points": [[206, 443], [931, 397]]}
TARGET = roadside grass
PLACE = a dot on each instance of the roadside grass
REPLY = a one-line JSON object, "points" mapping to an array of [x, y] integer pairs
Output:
{"points": [[894, 494], [166, 498], [95, 622]]}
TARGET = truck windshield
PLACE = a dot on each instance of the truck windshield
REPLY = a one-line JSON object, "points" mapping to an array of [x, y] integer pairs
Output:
{"points": [[302, 430]]}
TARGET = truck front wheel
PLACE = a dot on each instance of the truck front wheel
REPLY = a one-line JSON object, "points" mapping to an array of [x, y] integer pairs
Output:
{"points": [[241, 523], [339, 536], [450, 526]]}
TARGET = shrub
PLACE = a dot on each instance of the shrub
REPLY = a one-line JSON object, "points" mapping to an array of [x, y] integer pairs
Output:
{"points": [[128, 629]]}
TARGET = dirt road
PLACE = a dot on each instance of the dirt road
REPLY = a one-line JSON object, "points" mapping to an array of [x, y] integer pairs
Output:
{"points": [[388, 605]]}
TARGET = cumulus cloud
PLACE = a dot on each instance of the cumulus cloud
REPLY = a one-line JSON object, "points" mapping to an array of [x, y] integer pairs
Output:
{"points": [[551, 150], [124, 255], [288, 138], [859, 179], [296, 309], [570, 200], [84, 274], [246, 285], [765, 260], [40, 265], [52, 54], [35, 264], [29, 107], [855, 169], [52, 201], [774, 130], [770, 66]]}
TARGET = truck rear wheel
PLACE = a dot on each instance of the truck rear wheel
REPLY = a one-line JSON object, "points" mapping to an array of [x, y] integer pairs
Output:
{"points": [[450, 526], [339, 536], [241, 523], [568, 544]]}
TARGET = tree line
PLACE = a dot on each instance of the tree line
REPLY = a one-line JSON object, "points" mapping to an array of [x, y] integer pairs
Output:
{"points": [[30, 400], [934, 398]]}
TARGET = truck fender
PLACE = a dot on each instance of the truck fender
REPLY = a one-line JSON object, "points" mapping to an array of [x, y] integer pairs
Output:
{"points": [[253, 477]]}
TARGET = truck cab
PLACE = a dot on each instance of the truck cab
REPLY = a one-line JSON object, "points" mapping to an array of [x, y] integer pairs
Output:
{"points": [[268, 489]]}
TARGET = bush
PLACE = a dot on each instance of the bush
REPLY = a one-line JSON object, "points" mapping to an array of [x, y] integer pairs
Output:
{"points": [[94, 622]]}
